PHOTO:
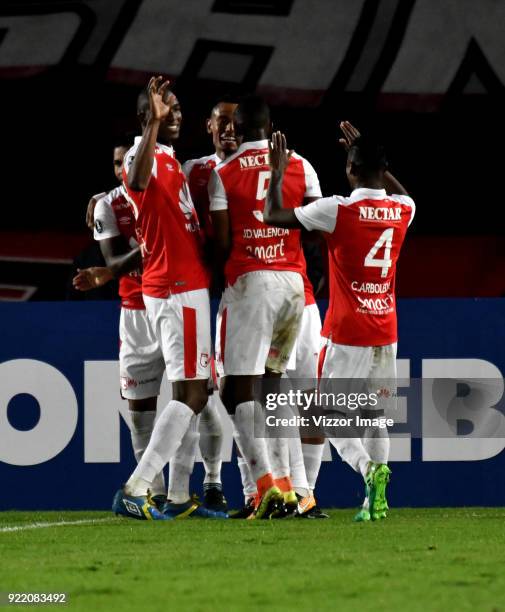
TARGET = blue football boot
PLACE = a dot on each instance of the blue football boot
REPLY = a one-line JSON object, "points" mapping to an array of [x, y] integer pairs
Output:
{"points": [[141, 508], [159, 500], [191, 508]]}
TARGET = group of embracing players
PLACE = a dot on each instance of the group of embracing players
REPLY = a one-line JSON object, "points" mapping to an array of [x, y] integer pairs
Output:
{"points": [[234, 220]]}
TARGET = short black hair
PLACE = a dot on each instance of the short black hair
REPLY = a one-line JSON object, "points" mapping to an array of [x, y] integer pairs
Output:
{"points": [[226, 98], [368, 156], [254, 112]]}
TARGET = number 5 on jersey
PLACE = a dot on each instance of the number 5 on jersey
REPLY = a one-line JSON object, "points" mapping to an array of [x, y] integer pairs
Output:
{"points": [[263, 179], [385, 240]]}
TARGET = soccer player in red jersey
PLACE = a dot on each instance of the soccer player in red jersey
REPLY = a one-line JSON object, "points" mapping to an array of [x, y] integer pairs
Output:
{"points": [[220, 126], [364, 234], [175, 290], [264, 296], [118, 154], [140, 366], [140, 360], [137, 346]]}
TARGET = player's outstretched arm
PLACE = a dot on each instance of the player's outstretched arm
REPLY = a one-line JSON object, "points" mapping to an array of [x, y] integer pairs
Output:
{"points": [[274, 213], [142, 166], [120, 259], [350, 133], [117, 266]]}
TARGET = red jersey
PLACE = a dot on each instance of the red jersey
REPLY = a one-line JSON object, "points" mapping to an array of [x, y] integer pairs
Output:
{"points": [[167, 227], [240, 184], [307, 285], [114, 217], [364, 234], [197, 173]]}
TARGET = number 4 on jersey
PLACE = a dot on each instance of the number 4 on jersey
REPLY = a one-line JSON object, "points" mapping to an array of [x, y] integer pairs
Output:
{"points": [[385, 240]]}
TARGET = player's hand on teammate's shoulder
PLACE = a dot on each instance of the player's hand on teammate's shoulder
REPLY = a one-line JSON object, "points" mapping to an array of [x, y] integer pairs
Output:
{"points": [[91, 278], [350, 134], [278, 153], [90, 210], [158, 107]]}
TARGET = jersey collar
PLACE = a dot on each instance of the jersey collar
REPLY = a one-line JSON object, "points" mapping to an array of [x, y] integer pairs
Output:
{"points": [[253, 144], [362, 193], [169, 150]]}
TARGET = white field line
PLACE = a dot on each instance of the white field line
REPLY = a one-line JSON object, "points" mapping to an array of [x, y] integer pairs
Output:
{"points": [[55, 524]]}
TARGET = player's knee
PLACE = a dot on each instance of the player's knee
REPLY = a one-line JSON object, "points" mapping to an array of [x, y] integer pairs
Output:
{"points": [[143, 405], [197, 402], [193, 394]]}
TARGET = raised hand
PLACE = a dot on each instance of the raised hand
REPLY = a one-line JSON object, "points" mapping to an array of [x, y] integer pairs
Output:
{"points": [[279, 155], [156, 88], [91, 278], [350, 134]]}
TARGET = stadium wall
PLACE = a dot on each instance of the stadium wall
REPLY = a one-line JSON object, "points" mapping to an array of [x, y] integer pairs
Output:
{"points": [[63, 444]]}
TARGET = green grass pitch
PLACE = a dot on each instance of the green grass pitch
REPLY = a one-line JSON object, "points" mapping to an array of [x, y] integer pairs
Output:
{"points": [[418, 559]]}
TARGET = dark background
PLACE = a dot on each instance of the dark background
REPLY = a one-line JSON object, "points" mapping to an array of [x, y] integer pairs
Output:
{"points": [[59, 129], [60, 122]]}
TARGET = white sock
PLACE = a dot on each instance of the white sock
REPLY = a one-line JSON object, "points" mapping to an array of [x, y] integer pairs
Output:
{"points": [[165, 440], [278, 447], [278, 452], [248, 484], [376, 442], [254, 450], [182, 463], [312, 457], [352, 451], [211, 441], [297, 467], [142, 424]]}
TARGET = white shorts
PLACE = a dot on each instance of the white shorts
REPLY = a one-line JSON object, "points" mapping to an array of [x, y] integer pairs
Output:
{"points": [[303, 360], [181, 324], [141, 364], [260, 318], [375, 366], [344, 361]]}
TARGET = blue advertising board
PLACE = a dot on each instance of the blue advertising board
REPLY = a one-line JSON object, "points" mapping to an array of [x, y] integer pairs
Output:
{"points": [[64, 445]]}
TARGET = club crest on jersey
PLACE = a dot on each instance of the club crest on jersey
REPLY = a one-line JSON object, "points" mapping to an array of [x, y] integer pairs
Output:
{"points": [[371, 213], [204, 360], [258, 214], [98, 226]]}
